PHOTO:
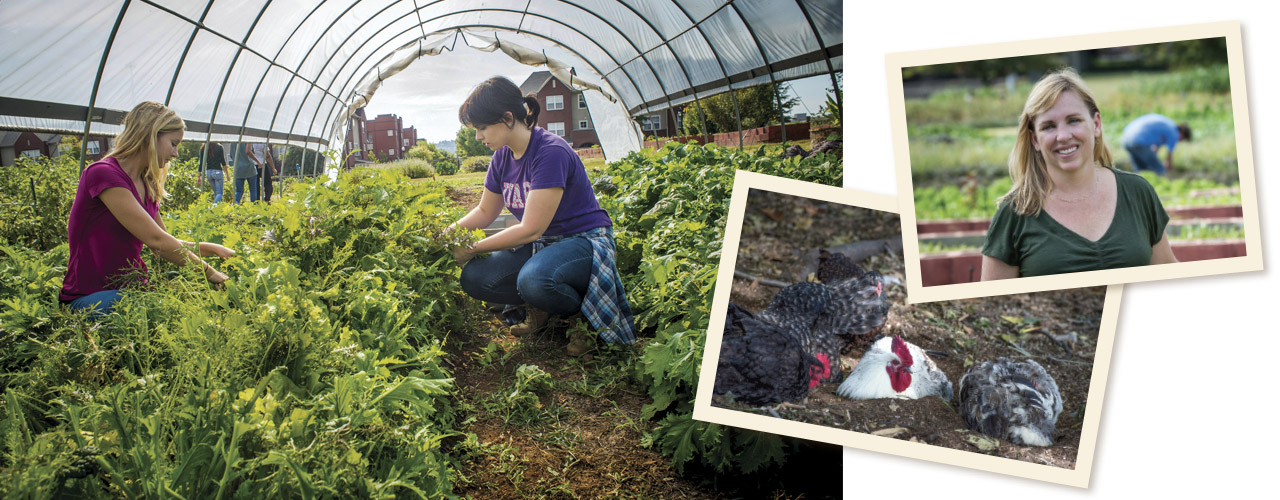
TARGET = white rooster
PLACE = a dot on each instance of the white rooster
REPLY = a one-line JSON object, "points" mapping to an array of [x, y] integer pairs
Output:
{"points": [[1017, 401], [894, 368]]}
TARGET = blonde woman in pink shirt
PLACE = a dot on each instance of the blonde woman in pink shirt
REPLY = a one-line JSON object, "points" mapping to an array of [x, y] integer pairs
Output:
{"points": [[117, 211]]}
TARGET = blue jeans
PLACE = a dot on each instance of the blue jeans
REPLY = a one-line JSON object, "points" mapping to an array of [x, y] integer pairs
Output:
{"points": [[253, 187], [216, 182], [98, 303], [553, 280], [1144, 158]]}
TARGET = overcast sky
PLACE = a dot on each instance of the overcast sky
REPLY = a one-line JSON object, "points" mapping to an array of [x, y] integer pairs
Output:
{"points": [[427, 94]]}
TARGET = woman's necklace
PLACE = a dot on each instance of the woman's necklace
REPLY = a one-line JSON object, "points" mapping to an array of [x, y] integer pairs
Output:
{"points": [[1088, 195]]}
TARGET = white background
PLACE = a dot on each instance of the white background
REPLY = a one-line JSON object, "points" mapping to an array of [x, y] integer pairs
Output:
{"points": [[1189, 405]]}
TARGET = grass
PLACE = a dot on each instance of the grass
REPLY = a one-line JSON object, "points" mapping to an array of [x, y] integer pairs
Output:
{"points": [[957, 131]]}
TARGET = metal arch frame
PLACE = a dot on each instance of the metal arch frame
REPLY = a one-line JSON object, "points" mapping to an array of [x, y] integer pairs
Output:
{"points": [[576, 30], [394, 37], [737, 116], [97, 80], [213, 117], [241, 48], [241, 45], [782, 119], [667, 43], [835, 88], [245, 123], [665, 93], [697, 25], [458, 27], [195, 30], [353, 32], [276, 113], [354, 74]]}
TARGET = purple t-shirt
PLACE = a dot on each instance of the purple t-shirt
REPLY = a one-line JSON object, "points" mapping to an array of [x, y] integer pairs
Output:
{"points": [[103, 252], [548, 162]]}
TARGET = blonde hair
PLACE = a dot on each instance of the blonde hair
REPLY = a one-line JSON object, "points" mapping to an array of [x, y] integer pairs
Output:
{"points": [[142, 128], [1031, 182]]}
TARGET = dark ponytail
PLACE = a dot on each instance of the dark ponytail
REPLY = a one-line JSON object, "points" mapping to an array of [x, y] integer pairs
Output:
{"points": [[531, 103], [492, 99]]}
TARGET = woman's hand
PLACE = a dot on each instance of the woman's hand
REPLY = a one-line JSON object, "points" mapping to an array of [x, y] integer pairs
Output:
{"points": [[216, 250], [463, 255], [217, 278]]}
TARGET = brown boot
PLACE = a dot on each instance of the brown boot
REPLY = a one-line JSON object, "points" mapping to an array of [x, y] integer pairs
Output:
{"points": [[579, 341], [533, 320]]}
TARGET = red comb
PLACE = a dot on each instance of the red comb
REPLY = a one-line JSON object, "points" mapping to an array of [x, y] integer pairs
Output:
{"points": [[900, 349]]}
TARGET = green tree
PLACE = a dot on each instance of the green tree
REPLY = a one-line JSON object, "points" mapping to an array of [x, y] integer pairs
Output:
{"points": [[467, 145], [758, 106], [428, 152]]}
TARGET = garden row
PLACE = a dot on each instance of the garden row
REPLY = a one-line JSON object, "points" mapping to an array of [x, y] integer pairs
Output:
{"points": [[320, 370]]}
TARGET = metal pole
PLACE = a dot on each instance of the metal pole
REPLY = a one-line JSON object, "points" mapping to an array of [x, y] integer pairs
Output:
{"points": [[97, 80]]}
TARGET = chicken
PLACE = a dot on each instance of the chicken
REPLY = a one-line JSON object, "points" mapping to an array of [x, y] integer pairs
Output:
{"points": [[764, 364], [835, 266], [894, 368], [830, 315], [1013, 400]]}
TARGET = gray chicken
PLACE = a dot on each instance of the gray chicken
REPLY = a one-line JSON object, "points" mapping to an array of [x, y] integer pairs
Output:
{"points": [[1013, 400]]}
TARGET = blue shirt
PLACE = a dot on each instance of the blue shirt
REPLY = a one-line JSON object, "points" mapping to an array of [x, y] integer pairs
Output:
{"points": [[1151, 130]]}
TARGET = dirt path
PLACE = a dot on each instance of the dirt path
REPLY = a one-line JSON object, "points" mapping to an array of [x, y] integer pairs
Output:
{"points": [[583, 436]]}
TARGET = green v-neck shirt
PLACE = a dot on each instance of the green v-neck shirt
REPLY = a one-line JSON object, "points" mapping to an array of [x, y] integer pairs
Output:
{"points": [[1040, 245]]}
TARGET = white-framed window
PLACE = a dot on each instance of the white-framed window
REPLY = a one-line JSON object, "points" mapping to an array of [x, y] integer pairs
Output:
{"points": [[555, 102], [35, 153], [583, 124], [406, 142], [651, 122], [390, 133], [582, 101], [391, 152], [92, 148], [556, 128]]}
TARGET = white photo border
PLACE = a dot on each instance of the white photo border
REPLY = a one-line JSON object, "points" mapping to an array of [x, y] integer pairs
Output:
{"points": [[703, 411], [1251, 261]]}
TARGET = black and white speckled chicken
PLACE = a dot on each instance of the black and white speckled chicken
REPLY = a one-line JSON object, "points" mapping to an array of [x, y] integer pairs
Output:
{"points": [[895, 368], [1013, 400], [761, 363], [830, 315], [835, 266]]}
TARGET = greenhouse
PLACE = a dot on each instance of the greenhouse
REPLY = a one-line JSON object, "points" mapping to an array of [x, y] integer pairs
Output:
{"points": [[323, 342], [292, 71]]}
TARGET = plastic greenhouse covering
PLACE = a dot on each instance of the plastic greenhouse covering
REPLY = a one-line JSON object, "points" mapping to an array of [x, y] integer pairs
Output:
{"points": [[293, 71]]}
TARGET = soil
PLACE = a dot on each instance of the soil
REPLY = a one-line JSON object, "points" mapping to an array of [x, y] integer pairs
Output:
{"points": [[777, 232], [585, 438]]}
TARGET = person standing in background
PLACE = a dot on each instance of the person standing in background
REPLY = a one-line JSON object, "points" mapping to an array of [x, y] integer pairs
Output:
{"points": [[213, 162], [260, 154], [245, 173], [1143, 137]]}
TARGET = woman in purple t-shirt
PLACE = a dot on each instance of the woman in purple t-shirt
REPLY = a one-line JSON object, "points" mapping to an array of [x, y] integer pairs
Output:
{"points": [[560, 258], [117, 210]]}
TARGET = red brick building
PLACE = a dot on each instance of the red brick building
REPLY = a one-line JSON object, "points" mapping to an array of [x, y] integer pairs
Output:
{"points": [[409, 140], [14, 145], [666, 123], [387, 134], [564, 110]]}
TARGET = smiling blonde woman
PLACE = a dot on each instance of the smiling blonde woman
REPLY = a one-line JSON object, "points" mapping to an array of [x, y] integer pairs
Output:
{"points": [[1069, 210]]}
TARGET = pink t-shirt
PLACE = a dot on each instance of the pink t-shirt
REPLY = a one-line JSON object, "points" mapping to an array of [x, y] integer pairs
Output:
{"points": [[103, 252]]}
